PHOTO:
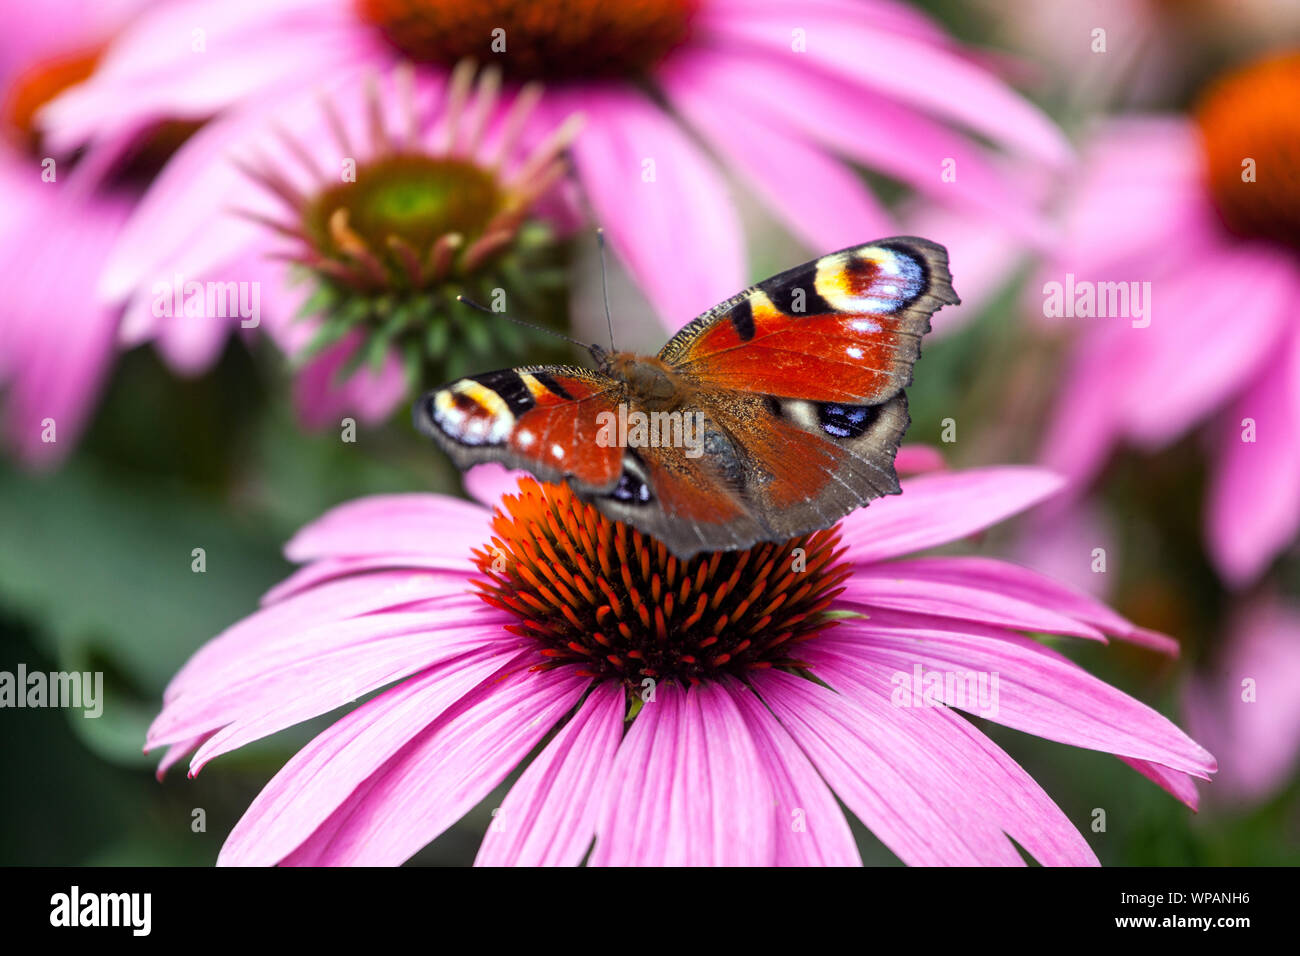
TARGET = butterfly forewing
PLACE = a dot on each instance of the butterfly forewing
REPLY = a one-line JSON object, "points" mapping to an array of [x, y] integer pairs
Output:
{"points": [[544, 419], [843, 328]]}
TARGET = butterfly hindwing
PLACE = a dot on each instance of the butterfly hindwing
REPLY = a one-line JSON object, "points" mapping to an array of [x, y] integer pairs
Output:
{"points": [[845, 328], [771, 469], [543, 419]]}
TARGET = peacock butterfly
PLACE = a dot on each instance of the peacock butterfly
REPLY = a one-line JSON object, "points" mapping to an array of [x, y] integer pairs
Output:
{"points": [[773, 414]]}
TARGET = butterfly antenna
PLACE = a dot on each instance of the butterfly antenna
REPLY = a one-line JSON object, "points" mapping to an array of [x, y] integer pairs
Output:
{"points": [[528, 325], [604, 287]]}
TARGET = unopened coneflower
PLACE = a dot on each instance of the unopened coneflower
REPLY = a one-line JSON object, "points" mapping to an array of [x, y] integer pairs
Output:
{"points": [[360, 215], [708, 711], [420, 218]]}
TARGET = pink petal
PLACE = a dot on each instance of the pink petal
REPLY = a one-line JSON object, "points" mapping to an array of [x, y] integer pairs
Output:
{"points": [[335, 680], [938, 508], [1087, 419], [1021, 584], [281, 623], [385, 524], [322, 668], [1039, 691], [1253, 507], [191, 345], [1061, 541], [328, 771], [489, 483], [883, 14], [896, 781], [371, 395], [1177, 784], [1140, 185], [679, 234], [449, 570], [861, 125], [204, 177], [810, 828], [150, 71], [443, 772], [929, 590], [1257, 734], [549, 817], [687, 787], [822, 202], [990, 780], [911, 69], [177, 752], [1194, 360], [59, 343], [918, 459]]}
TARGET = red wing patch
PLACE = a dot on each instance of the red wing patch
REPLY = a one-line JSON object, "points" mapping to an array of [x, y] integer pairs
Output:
{"points": [[843, 328]]}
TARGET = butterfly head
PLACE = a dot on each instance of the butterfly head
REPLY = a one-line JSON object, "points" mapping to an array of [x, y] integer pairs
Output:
{"points": [[651, 380]]}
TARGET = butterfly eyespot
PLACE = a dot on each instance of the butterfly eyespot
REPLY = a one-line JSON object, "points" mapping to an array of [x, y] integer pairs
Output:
{"points": [[846, 421], [631, 490], [470, 413], [633, 486], [876, 279]]}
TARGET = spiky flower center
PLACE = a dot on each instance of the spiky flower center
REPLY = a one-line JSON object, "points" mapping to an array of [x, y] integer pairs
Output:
{"points": [[600, 594], [399, 207], [1250, 125], [552, 40], [426, 210]]}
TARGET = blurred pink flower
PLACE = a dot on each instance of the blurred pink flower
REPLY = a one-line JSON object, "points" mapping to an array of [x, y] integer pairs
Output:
{"points": [[782, 92], [1255, 726], [56, 342], [58, 222], [1131, 52], [727, 755], [1164, 203]]}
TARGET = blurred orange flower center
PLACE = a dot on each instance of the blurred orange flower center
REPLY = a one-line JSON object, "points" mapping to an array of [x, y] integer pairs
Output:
{"points": [[551, 40], [599, 594], [1250, 124], [39, 84]]}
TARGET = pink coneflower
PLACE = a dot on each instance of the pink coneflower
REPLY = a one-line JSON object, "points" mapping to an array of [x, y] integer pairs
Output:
{"points": [[358, 217], [59, 221], [56, 342], [1204, 209], [700, 712], [783, 92]]}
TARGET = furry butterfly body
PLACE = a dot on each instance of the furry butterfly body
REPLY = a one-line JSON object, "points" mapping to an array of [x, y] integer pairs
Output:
{"points": [[783, 406]]}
